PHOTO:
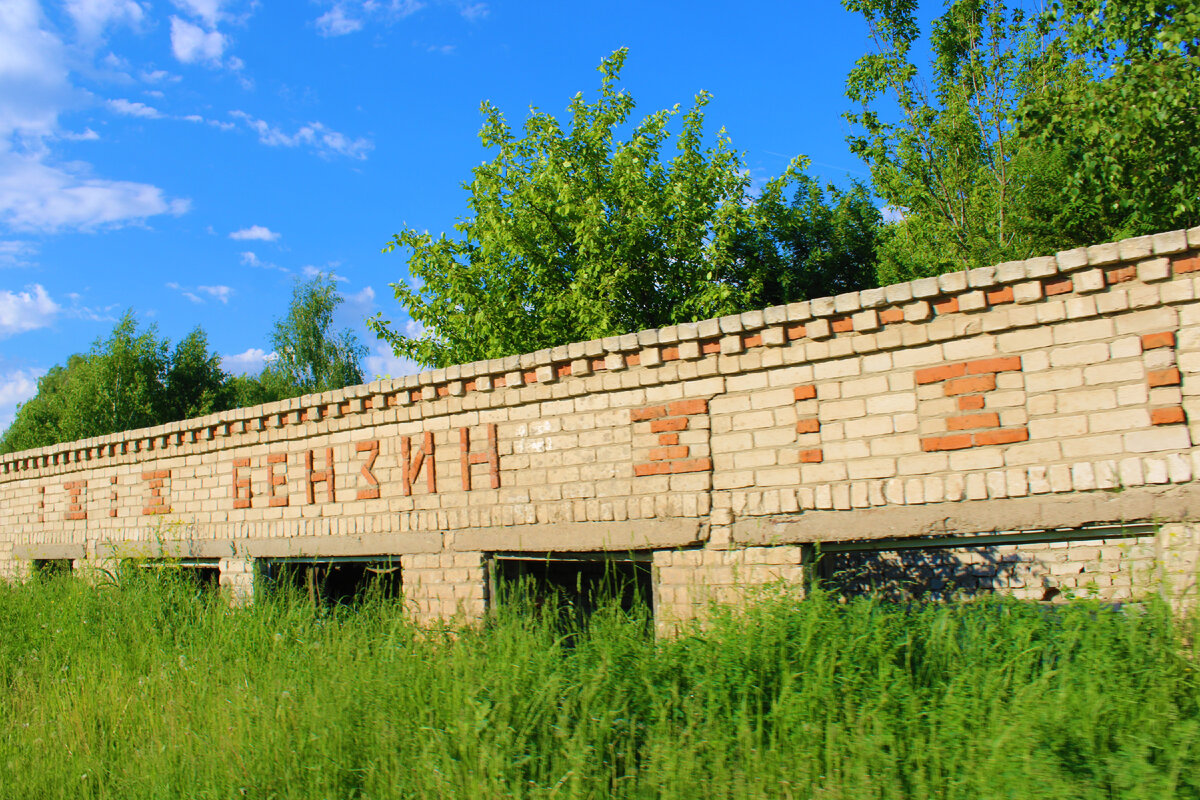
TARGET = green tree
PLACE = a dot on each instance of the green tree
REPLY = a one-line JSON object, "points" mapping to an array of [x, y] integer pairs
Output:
{"points": [[574, 234], [309, 355], [195, 384]]}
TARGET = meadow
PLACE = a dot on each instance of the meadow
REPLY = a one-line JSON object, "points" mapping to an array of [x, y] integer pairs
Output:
{"points": [[149, 689]]}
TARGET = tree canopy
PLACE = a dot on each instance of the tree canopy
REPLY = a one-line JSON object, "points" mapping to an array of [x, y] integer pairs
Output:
{"points": [[134, 379], [574, 233]]}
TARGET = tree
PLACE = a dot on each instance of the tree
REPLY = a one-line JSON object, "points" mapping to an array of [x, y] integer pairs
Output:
{"points": [[574, 234], [309, 356], [195, 383], [1036, 133]]}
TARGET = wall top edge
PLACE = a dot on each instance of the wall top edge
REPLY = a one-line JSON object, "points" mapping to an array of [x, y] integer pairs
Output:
{"points": [[544, 364]]}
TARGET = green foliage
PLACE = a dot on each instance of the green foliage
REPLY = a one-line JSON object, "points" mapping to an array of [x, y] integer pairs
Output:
{"points": [[1027, 134], [310, 356], [574, 234], [1130, 130], [133, 379], [145, 690]]}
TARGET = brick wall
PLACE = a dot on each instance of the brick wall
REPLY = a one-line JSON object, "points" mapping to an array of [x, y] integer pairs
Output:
{"points": [[1055, 392]]}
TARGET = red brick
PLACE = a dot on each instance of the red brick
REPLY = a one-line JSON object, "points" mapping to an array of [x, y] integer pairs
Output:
{"points": [[978, 383], [806, 392], [1152, 341], [970, 402], [890, 315], [1163, 377], [529, 377], [649, 412], [709, 348], [75, 515], [633, 360], [1053, 286], [997, 297], [956, 442], [694, 465], [1172, 415], [642, 470], [1119, 275], [946, 306], [599, 363], [968, 421], [1005, 436], [753, 341], [935, 374], [444, 390], [1008, 364], [673, 424], [1183, 265], [841, 324], [562, 370], [812, 456], [670, 354], [668, 453], [683, 408], [795, 332], [808, 426], [667, 439]]}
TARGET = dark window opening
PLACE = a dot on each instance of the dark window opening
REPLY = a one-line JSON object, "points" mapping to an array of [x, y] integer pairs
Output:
{"points": [[334, 581], [51, 567], [577, 585]]}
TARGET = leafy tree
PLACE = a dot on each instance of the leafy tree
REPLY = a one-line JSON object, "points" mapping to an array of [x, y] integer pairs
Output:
{"points": [[310, 356], [1027, 134], [575, 234], [195, 383], [1130, 130]]}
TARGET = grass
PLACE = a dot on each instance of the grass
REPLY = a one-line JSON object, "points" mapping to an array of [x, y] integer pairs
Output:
{"points": [[145, 690]]}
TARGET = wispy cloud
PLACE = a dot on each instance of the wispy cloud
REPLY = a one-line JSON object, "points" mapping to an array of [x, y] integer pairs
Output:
{"points": [[473, 12], [26, 311], [383, 362], [251, 259], [255, 233], [251, 360], [16, 387], [309, 271], [15, 253], [134, 109], [93, 17], [220, 293], [348, 16], [324, 140], [191, 44]]}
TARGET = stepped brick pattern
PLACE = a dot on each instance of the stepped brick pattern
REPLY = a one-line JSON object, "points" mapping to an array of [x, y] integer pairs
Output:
{"points": [[1050, 394]]}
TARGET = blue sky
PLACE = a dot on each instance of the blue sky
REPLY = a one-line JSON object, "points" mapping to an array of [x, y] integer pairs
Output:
{"points": [[190, 159]]}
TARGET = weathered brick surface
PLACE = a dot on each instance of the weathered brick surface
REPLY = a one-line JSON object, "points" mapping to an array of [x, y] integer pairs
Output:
{"points": [[1053, 377]]}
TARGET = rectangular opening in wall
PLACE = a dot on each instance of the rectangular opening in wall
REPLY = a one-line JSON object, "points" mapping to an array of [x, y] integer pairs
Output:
{"points": [[578, 583], [51, 567], [203, 574], [1042, 565], [336, 580]]}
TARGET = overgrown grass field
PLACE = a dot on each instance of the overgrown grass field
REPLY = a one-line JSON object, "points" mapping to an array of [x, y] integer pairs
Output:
{"points": [[147, 690]]}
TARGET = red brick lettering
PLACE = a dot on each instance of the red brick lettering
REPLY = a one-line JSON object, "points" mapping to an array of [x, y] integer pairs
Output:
{"points": [[944, 372], [1172, 415], [969, 421], [956, 442], [1005, 436], [315, 476], [1153, 341], [983, 366], [156, 480], [1164, 377], [980, 383], [240, 490], [76, 509], [673, 424], [410, 465], [371, 490], [490, 456], [273, 480]]}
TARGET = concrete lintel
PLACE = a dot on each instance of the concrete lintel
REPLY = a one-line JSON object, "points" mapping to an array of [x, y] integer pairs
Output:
{"points": [[1145, 504], [644, 534], [48, 552], [369, 544]]}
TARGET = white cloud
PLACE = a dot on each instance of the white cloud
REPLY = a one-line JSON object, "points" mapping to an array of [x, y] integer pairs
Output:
{"points": [[474, 11], [251, 360], [160, 76], [309, 271], [255, 232], [92, 17], [314, 134], [26, 311], [192, 44], [16, 387], [251, 259], [134, 109], [13, 253], [221, 293], [383, 361], [348, 16], [88, 135], [207, 10], [35, 192], [38, 196]]}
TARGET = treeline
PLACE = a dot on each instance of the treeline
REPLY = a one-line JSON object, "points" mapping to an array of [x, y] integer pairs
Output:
{"points": [[135, 379], [1025, 134]]}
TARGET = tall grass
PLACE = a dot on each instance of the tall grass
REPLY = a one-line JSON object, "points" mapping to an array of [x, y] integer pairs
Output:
{"points": [[145, 690]]}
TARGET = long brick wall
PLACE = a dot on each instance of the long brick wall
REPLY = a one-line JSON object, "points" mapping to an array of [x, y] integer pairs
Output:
{"points": [[1054, 393]]}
